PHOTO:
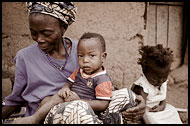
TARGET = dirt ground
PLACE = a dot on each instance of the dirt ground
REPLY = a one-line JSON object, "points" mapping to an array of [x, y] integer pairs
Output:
{"points": [[178, 97], [177, 92]]}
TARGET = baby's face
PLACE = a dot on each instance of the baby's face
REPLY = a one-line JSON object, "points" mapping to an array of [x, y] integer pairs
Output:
{"points": [[156, 75], [90, 55]]}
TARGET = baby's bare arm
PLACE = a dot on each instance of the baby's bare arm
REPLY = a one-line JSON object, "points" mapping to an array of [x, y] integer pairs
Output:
{"points": [[139, 91], [159, 107]]}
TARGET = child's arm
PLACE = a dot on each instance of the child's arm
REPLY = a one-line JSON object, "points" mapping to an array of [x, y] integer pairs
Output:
{"points": [[159, 107], [139, 91]]}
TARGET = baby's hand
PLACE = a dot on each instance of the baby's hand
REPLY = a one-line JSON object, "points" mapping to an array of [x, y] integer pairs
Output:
{"points": [[156, 108], [64, 92], [73, 96]]}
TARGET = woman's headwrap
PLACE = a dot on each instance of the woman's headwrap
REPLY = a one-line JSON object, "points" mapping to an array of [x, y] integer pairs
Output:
{"points": [[65, 11]]}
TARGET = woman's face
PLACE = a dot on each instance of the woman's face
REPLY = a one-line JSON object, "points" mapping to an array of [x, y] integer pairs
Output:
{"points": [[90, 55], [46, 31], [157, 75]]}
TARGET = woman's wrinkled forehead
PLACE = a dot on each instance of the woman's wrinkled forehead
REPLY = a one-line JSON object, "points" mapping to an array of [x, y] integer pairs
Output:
{"points": [[40, 20], [64, 11]]}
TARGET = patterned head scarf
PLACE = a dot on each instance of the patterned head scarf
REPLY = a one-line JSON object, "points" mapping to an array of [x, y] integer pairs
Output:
{"points": [[65, 11]]}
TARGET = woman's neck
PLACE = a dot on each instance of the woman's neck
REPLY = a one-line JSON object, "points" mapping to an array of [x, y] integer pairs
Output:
{"points": [[58, 52]]}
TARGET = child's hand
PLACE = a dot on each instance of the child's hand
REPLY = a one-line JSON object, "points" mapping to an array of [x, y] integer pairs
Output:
{"points": [[156, 108], [64, 92], [73, 96]]}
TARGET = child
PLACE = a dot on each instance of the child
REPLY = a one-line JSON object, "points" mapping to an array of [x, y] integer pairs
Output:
{"points": [[90, 82], [155, 62]]}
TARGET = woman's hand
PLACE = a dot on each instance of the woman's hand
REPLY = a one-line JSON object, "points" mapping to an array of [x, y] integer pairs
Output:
{"points": [[72, 96], [136, 112]]}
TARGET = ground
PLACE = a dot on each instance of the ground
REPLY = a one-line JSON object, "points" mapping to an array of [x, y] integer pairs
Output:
{"points": [[177, 94], [178, 97]]}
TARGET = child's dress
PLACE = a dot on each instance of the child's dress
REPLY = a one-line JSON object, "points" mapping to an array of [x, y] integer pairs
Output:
{"points": [[169, 115]]}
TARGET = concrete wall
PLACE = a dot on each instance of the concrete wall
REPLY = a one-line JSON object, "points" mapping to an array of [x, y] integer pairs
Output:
{"points": [[121, 24]]}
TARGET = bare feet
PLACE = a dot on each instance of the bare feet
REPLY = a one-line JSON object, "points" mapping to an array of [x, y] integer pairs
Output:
{"points": [[25, 120]]}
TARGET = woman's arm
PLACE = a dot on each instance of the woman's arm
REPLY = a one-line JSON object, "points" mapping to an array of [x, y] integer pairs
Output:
{"points": [[8, 110], [137, 112], [14, 101]]}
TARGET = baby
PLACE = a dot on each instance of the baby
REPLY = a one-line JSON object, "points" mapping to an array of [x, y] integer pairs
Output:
{"points": [[156, 63], [90, 82]]}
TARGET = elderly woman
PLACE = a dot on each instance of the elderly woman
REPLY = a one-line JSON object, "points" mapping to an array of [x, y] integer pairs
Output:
{"points": [[43, 68]]}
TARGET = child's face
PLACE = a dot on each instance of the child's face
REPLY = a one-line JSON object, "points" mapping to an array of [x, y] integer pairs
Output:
{"points": [[157, 75], [90, 55]]}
